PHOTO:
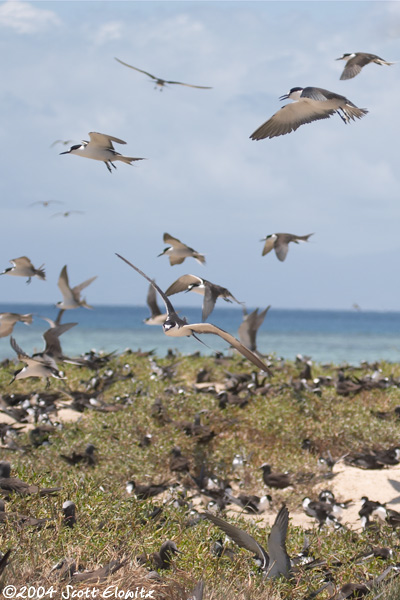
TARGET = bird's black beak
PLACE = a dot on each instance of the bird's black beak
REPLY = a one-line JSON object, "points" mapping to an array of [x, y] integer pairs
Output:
{"points": [[67, 152], [340, 58], [284, 97]]}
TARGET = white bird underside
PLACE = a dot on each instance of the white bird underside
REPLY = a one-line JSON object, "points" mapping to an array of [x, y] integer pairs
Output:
{"points": [[178, 251]]}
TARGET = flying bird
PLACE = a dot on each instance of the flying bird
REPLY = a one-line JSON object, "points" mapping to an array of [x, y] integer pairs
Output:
{"points": [[355, 61], [276, 561], [161, 83], [156, 316], [8, 320], [174, 326], [177, 251], [209, 290], [52, 349], [46, 202], [72, 296], [280, 243], [43, 367], [101, 148], [67, 213], [22, 267], [311, 104]]}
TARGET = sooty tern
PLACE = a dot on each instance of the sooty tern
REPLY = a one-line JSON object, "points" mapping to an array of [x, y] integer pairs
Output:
{"points": [[8, 320], [311, 104], [22, 267], [100, 148], [174, 326], [71, 296], [276, 561], [44, 367], [209, 290], [177, 251], [162, 82], [280, 243], [357, 60]]}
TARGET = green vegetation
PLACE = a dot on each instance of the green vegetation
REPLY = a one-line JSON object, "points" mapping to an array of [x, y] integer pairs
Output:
{"points": [[113, 525]]}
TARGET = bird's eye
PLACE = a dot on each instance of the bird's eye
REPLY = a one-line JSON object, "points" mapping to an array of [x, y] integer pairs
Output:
{"points": [[168, 325]]}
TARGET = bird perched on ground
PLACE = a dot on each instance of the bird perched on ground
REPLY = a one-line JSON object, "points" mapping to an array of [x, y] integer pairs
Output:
{"points": [[71, 296], [161, 83], [43, 367], [87, 457], [210, 291], [177, 251], [311, 104], [280, 243], [161, 559], [101, 148], [145, 491], [8, 320], [156, 316], [176, 327], [275, 480], [276, 561], [249, 327], [69, 513], [13, 484], [355, 61], [22, 267]]}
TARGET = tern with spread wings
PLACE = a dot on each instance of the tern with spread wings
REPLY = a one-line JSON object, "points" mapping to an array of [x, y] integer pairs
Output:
{"points": [[177, 251], [174, 326], [280, 243], [161, 83], [22, 267], [355, 61]]}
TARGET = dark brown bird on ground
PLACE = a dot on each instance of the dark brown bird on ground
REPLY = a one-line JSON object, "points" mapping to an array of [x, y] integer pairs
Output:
{"points": [[86, 457], [143, 491], [275, 480], [177, 462], [13, 484]]}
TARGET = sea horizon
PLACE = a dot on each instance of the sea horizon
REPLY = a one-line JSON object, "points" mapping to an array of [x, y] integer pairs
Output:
{"points": [[327, 336]]}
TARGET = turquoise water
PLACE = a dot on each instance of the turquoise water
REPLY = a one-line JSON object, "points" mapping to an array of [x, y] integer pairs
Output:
{"points": [[325, 336]]}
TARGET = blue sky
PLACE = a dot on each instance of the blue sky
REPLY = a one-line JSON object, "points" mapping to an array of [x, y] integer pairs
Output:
{"points": [[205, 182]]}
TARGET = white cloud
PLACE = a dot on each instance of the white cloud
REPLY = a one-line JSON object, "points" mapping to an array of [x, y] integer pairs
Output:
{"points": [[26, 18], [107, 33]]}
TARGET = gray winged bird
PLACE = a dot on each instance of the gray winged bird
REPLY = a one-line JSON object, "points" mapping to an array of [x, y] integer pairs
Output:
{"points": [[53, 348], [43, 367], [100, 147], [22, 267], [311, 104], [355, 61], [211, 291], [8, 320], [176, 327], [249, 327], [72, 296], [177, 251], [156, 316], [162, 82], [276, 561], [280, 243]]}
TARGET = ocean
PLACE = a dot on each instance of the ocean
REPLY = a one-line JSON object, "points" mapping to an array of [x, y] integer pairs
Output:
{"points": [[327, 336]]}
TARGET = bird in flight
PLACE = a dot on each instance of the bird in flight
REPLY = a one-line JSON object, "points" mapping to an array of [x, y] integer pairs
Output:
{"points": [[68, 213], [211, 291], [71, 296], [161, 83], [174, 326], [311, 104], [280, 243], [42, 366], [355, 61], [178, 251], [46, 202], [101, 148], [22, 267]]}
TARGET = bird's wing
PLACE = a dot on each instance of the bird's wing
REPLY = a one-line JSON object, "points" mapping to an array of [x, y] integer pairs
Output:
{"points": [[210, 328], [103, 140], [51, 337], [200, 87], [176, 260], [261, 316], [175, 243], [246, 330], [182, 284], [291, 116], [20, 353], [211, 293], [6, 326], [63, 284], [240, 537], [279, 561], [140, 70], [269, 244], [22, 261], [167, 302], [151, 300], [281, 249], [78, 288], [352, 69]]}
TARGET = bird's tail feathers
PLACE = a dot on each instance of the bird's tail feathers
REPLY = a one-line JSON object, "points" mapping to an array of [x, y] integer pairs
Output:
{"points": [[127, 159]]}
